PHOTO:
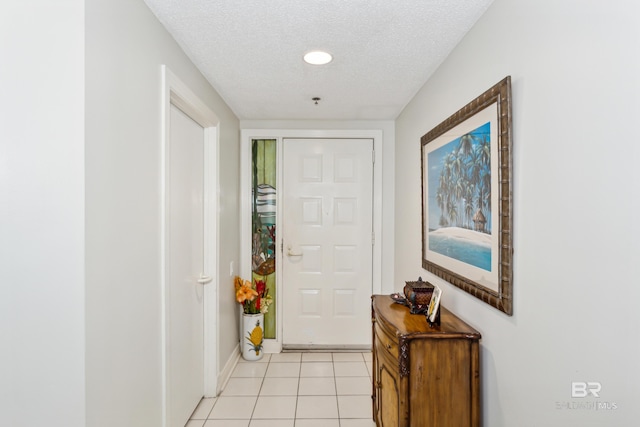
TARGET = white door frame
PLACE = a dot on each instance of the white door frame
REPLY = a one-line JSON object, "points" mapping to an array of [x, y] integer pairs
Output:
{"points": [[175, 92], [247, 135]]}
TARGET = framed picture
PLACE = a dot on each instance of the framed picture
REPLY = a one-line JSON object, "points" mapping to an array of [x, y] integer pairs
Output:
{"points": [[467, 194], [434, 304]]}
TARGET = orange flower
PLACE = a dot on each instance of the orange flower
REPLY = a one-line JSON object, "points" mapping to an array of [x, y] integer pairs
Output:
{"points": [[238, 283], [244, 291]]}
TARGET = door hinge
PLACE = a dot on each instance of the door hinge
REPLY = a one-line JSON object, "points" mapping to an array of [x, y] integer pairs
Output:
{"points": [[373, 238]]}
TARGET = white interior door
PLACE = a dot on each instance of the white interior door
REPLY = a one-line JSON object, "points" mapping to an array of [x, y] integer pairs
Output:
{"points": [[185, 260], [327, 242]]}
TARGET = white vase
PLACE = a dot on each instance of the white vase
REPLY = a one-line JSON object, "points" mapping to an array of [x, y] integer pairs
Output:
{"points": [[252, 336]]}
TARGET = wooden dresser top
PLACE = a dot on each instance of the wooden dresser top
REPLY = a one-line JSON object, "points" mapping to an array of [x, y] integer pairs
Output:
{"points": [[397, 316]]}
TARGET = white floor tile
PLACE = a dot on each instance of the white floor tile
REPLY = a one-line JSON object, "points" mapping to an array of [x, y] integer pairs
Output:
{"points": [[242, 387], [227, 423], [249, 370], [283, 370], [348, 357], [317, 369], [286, 357], [357, 423], [280, 407], [279, 387], [320, 386], [353, 386], [272, 423], [317, 407], [317, 357], [293, 390], [317, 423], [265, 359], [350, 369], [203, 409], [233, 407], [355, 407]]}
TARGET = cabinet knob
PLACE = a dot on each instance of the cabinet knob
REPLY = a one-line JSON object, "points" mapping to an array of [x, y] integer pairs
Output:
{"points": [[388, 346]]}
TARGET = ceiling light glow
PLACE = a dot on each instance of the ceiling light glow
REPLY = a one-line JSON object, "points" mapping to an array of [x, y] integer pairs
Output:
{"points": [[318, 57]]}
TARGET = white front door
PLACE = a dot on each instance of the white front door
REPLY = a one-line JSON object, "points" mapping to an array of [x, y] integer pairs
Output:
{"points": [[327, 242], [185, 258]]}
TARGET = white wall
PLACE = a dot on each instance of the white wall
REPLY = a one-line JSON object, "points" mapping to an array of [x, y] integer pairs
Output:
{"points": [[388, 136], [41, 213], [125, 48], [576, 89]]}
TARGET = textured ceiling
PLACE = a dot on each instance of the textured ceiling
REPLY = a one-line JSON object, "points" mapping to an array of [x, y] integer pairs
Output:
{"points": [[384, 51]]}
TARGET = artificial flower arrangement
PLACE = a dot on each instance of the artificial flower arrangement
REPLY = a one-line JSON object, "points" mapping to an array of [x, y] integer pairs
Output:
{"points": [[254, 300]]}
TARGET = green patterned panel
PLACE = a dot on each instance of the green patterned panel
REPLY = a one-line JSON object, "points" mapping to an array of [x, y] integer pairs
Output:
{"points": [[263, 254]]}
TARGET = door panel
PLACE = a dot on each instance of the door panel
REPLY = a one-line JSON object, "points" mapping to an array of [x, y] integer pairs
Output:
{"points": [[327, 241], [185, 309]]}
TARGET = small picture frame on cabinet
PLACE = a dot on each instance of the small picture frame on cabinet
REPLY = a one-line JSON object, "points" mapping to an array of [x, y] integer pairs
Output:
{"points": [[433, 313]]}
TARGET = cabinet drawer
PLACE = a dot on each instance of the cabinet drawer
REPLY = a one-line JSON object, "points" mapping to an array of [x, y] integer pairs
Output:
{"points": [[386, 341]]}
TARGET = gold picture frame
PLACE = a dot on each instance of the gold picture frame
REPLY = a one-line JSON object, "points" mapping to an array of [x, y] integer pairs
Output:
{"points": [[467, 198]]}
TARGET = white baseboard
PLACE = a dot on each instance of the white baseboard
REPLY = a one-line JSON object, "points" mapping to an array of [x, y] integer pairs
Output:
{"points": [[226, 372]]}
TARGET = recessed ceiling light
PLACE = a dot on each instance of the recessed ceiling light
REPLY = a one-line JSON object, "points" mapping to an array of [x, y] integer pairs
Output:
{"points": [[318, 57]]}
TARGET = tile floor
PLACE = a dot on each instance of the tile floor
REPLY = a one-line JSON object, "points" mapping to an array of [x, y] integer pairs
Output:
{"points": [[293, 390]]}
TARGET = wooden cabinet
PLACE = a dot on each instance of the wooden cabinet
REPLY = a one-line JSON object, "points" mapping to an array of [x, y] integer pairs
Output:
{"points": [[423, 376]]}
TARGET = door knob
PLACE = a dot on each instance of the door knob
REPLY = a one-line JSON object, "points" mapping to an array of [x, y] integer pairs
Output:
{"points": [[289, 253], [203, 280]]}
